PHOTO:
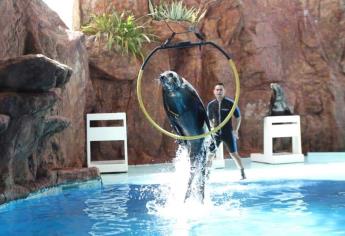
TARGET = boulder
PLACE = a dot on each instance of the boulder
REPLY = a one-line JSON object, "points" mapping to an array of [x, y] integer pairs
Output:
{"points": [[30, 73]]}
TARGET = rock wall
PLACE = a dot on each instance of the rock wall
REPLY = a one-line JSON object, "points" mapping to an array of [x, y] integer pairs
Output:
{"points": [[298, 44], [35, 107]]}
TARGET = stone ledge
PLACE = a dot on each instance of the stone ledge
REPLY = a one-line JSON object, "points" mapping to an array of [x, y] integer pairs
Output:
{"points": [[56, 177], [65, 176], [32, 73]]}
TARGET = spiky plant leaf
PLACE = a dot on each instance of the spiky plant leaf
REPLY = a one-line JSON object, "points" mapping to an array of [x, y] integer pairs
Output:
{"points": [[120, 31]]}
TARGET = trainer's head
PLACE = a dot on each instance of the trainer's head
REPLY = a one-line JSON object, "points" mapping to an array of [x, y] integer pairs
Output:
{"points": [[219, 91]]}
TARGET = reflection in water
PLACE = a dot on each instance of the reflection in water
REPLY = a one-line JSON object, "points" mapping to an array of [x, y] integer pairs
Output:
{"points": [[109, 210]]}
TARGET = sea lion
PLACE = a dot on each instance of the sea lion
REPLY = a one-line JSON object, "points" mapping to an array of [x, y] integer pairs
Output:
{"points": [[187, 116], [278, 105]]}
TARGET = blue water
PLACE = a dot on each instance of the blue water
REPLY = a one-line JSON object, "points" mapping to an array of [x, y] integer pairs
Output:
{"points": [[289, 207]]}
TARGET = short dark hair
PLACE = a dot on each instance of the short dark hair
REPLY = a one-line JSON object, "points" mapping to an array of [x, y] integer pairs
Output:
{"points": [[220, 83]]}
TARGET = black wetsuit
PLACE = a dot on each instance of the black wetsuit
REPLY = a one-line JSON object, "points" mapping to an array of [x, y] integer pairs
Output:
{"points": [[217, 113]]}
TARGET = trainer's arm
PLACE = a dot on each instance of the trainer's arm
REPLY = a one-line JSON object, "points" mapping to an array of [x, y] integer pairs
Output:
{"points": [[237, 124]]}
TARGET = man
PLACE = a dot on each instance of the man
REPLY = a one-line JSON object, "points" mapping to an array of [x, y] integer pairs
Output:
{"points": [[217, 111]]}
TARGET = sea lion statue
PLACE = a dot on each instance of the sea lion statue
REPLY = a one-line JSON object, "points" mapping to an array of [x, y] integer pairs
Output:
{"points": [[278, 105], [187, 116]]}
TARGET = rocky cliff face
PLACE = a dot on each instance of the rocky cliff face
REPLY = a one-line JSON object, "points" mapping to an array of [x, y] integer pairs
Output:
{"points": [[298, 44], [42, 128]]}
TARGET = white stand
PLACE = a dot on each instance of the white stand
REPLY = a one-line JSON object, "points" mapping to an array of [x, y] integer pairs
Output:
{"points": [[219, 162], [107, 134], [276, 127]]}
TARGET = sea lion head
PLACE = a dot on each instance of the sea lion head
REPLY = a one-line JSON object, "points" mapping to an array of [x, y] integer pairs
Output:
{"points": [[170, 81]]}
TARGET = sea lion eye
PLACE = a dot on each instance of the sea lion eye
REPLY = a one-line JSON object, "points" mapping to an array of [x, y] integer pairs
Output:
{"points": [[170, 75]]}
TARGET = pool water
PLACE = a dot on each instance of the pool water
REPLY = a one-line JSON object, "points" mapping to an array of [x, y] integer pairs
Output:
{"points": [[264, 207]]}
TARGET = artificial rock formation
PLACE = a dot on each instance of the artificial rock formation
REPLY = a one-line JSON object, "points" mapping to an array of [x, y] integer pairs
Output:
{"points": [[4, 120], [298, 44], [26, 82], [42, 104], [27, 95]]}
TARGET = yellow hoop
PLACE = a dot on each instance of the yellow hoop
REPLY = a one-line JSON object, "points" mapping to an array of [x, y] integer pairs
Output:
{"points": [[175, 136]]}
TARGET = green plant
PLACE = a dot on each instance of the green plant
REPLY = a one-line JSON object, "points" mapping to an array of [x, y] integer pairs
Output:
{"points": [[121, 32], [175, 11]]}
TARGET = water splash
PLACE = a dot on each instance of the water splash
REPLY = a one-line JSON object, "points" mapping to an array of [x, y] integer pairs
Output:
{"points": [[169, 200]]}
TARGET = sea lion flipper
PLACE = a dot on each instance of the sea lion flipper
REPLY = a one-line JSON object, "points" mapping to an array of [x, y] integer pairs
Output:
{"points": [[178, 130], [176, 127]]}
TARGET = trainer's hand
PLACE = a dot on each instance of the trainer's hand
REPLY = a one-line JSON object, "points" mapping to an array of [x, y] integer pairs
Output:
{"points": [[235, 134]]}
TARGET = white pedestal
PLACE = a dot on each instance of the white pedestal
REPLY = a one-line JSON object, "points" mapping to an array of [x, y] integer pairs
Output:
{"points": [[278, 127], [118, 133], [219, 161]]}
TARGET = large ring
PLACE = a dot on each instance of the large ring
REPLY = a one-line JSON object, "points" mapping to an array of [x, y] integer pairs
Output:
{"points": [[175, 136]]}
